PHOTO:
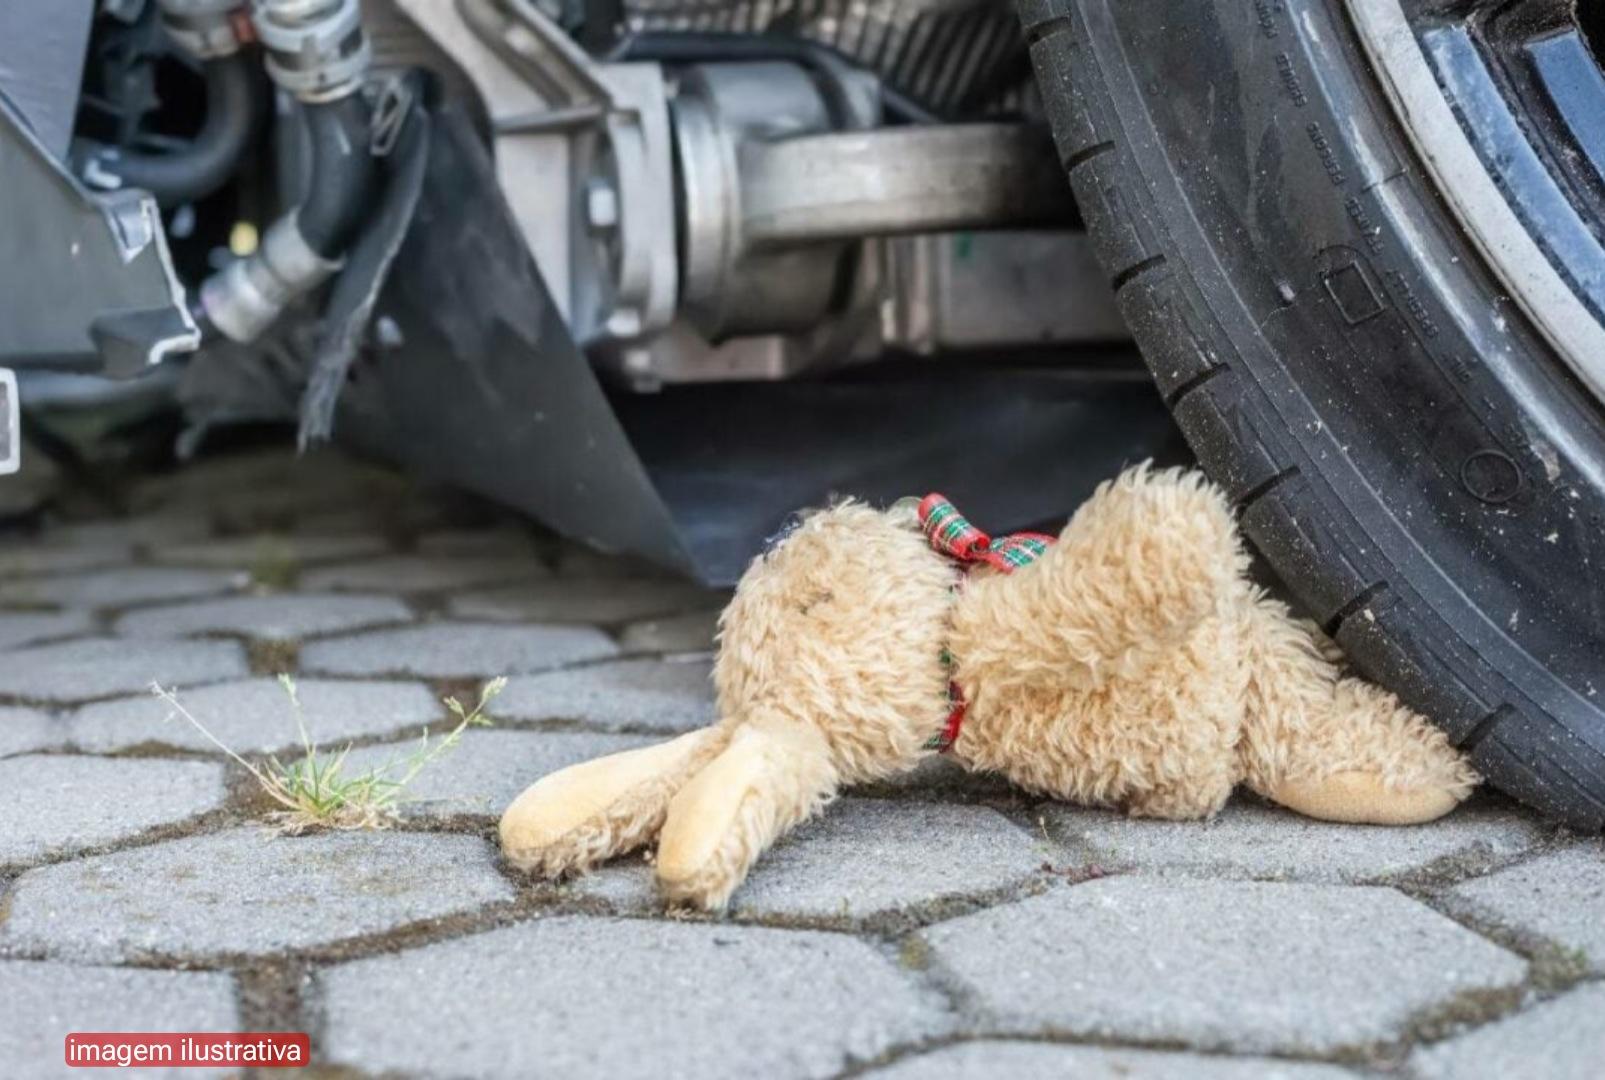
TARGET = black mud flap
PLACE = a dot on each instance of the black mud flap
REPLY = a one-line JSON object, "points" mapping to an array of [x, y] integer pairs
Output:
{"points": [[475, 381]]}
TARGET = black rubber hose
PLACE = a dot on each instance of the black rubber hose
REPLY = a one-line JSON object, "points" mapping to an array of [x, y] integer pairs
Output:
{"points": [[234, 95], [342, 175]]}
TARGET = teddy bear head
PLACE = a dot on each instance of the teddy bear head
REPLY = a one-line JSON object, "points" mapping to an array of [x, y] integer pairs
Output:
{"points": [[842, 624]]}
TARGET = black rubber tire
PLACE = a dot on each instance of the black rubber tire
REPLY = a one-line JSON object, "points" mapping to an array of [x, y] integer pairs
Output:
{"points": [[1420, 469]]}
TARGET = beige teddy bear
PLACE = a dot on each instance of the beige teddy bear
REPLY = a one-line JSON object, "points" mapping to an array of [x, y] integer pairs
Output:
{"points": [[1129, 664]]}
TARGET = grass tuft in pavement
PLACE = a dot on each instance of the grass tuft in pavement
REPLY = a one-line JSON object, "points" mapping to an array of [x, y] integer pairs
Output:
{"points": [[315, 793]]}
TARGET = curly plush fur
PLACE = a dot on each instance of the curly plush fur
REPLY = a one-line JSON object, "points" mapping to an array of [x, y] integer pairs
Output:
{"points": [[1133, 665]]}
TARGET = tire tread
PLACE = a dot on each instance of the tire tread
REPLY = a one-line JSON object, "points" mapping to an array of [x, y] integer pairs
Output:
{"points": [[1213, 394]]}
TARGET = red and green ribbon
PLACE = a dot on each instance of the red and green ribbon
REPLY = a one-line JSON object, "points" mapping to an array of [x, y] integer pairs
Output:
{"points": [[951, 534]]}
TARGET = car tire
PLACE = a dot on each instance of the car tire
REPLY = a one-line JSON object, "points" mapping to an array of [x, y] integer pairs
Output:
{"points": [[1404, 447]]}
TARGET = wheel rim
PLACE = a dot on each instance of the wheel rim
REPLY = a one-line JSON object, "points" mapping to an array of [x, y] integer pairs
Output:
{"points": [[1505, 103]]}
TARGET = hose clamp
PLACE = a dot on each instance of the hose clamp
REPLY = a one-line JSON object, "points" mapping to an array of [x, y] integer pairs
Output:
{"points": [[206, 29], [245, 298], [316, 49]]}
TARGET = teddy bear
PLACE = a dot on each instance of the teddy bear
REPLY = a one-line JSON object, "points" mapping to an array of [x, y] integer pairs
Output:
{"points": [[1128, 663]]}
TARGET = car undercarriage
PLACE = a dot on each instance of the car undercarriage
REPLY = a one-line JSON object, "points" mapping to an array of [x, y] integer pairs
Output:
{"points": [[660, 272], [850, 216]]}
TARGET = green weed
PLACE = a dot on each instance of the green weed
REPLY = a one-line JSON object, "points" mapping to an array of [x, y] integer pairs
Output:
{"points": [[314, 791]]}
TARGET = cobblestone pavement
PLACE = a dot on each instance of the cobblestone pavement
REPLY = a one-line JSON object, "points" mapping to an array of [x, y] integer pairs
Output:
{"points": [[939, 926]]}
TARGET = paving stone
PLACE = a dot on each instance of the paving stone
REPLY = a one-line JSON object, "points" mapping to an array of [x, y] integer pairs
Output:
{"points": [[382, 518], [44, 1002], [56, 804], [605, 600], [28, 560], [457, 650], [656, 695], [255, 716], [1559, 896], [26, 628], [275, 504], [98, 667], [1243, 966], [261, 473], [862, 858], [22, 730], [270, 552], [488, 769], [247, 892], [36, 483], [1559, 1040], [577, 997], [144, 530], [421, 573], [626, 885], [405, 513], [284, 617], [119, 588], [691, 632], [1046, 1061], [382, 510], [1252, 839], [288, 510], [211, 474]]}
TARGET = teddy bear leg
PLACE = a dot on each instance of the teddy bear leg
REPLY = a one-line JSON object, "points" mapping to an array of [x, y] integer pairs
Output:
{"points": [[1380, 763], [1364, 798], [575, 818], [1334, 747], [770, 778]]}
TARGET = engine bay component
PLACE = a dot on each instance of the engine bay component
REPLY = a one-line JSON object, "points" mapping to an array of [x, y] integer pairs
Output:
{"points": [[233, 104], [940, 178], [42, 51], [317, 52], [692, 478], [210, 31], [722, 114], [316, 49], [244, 298], [955, 58], [584, 155], [91, 285], [700, 218], [206, 29], [774, 195], [957, 292], [620, 190]]}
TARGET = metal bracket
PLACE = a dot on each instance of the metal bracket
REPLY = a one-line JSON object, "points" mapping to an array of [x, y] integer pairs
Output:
{"points": [[389, 116], [89, 283], [585, 157], [561, 73], [10, 424]]}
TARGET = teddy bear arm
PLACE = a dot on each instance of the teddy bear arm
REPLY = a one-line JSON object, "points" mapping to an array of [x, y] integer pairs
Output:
{"points": [[1364, 759], [1365, 798], [1332, 746], [575, 818], [771, 777]]}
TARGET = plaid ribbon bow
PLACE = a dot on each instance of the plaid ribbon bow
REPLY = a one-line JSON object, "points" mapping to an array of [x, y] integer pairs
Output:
{"points": [[951, 534]]}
